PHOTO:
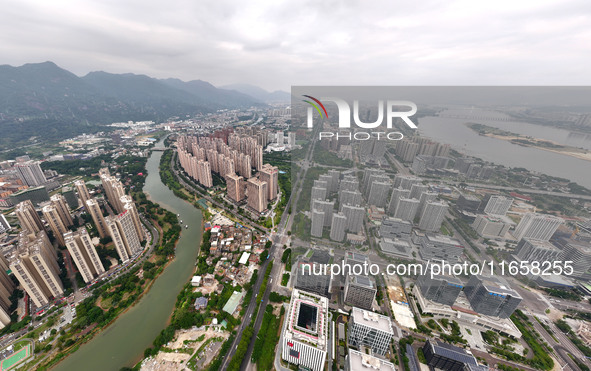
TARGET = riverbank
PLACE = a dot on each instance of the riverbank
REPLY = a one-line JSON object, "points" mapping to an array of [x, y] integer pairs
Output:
{"points": [[123, 343], [526, 141]]}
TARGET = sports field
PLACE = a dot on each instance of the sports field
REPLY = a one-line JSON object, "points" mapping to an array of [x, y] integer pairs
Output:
{"points": [[17, 357]]}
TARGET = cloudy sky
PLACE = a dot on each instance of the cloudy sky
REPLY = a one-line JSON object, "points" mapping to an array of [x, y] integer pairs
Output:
{"points": [[276, 44]]}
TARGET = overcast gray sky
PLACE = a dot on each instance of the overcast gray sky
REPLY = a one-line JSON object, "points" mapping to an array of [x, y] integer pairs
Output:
{"points": [[275, 44]]}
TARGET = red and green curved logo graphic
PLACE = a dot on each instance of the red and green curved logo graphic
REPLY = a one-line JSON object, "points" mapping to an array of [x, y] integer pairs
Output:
{"points": [[316, 106]]}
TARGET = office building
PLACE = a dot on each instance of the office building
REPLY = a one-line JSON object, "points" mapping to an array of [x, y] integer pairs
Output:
{"points": [[56, 224], [359, 361], [305, 331], [311, 278], [256, 193], [61, 206], [270, 174], [338, 226], [537, 226], [371, 330], [35, 266], [30, 173], [397, 248], [438, 247], [440, 289], [496, 204], [28, 217], [447, 357], [360, 291], [395, 228], [491, 296], [236, 187], [407, 209], [490, 226], [579, 254], [317, 223], [432, 216], [84, 254], [36, 195], [83, 193], [92, 206], [530, 250], [4, 226], [468, 203]]}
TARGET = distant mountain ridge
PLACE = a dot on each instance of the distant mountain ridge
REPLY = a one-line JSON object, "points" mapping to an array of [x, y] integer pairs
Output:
{"points": [[46, 101], [259, 93]]}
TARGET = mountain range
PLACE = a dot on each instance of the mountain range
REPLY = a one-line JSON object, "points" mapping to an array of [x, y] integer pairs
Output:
{"points": [[48, 102]]}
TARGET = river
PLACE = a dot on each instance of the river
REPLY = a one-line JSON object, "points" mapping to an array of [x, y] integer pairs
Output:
{"points": [[123, 342], [460, 137]]}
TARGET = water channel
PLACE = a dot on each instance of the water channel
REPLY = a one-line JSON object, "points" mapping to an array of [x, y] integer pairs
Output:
{"points": [[123, 342]]}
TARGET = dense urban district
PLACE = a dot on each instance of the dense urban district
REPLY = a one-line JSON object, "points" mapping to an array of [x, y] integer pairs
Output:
{"points": [[315, 253]]}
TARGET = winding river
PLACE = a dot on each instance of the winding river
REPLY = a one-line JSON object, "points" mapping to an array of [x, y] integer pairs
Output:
{"points": [[123, 342]]}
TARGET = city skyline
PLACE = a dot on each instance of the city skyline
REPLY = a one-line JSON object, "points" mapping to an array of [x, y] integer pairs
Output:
{"points": [[275, 46]]}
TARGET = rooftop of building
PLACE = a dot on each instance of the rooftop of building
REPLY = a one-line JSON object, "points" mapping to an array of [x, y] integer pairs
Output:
{"points": [[498, 285], [307, 319], [371, 319], [359, 361], [452, 352]]}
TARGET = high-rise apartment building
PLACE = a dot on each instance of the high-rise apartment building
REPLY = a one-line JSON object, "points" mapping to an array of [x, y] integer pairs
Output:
{"points": [[83, 193], [4, 225], [355, 216], [537, 226], [6, 289], [84, 254], [432, 216], [35, 266], [114, 190], [59, 203], [338, 226], [270, 174], [92, 206], [317, 223], [236, 186], [28, 217], [124, 236], [56, 224], [129, 206], [407, 209], [378, 194], [256, 193]]}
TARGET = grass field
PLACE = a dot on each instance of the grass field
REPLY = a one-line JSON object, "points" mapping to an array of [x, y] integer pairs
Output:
{"points": [[16, 358]]}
